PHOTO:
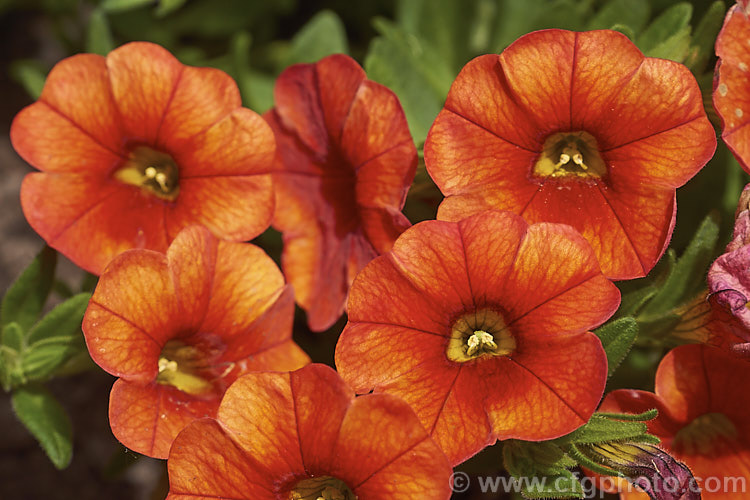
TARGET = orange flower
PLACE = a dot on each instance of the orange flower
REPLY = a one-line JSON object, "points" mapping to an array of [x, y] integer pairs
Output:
{"points": [[704, 420], [134, 147], [731, 89], [481, 326], [300, 435], [179, 328], [575, 128], [345, 162]]}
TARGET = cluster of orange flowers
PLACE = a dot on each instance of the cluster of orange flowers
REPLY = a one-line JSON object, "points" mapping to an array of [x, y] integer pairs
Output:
{"points": [[559, 160]]}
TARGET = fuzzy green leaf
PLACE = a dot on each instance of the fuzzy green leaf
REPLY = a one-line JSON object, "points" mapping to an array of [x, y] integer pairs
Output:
{"points": [[46, 419], [43, 358], [62, 321], [562, 485], [702, 44], [617, 339], [25, 299], [602, 428], [166, 7]]}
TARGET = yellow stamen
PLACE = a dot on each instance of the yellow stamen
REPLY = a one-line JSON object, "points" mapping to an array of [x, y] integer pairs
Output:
{"points": [[558, 151], [479, 334], [151, 170]]}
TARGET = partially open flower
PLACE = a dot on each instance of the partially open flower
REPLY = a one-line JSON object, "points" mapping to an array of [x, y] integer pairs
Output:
{"points": [[179, 328], [574, 128], [303, 435], [703, 419], [482, 326], [729, 285], [345, 162], [136, 146]]}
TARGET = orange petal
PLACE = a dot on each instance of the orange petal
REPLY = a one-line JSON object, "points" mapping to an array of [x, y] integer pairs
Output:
{"points": [[537, 68], [143, 78], [542, 378], [195, 474], [131, 315], [570, 296], [201, 98], [91, 220], [78, 89], [730, 97], [338, 79], [51, 142], [402, 463], [258, 411], [147, 418]]}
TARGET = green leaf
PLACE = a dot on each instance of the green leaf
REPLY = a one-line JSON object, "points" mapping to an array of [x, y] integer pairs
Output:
{"points": [[11, 371], [46, 419], [631, 13], [414, 71], [55, 339], [689, 272], [98, 35], [25, 299], [43, 358], [124, 5], [62, 321], [166, 7], [13, 337], [323, 35], [30, 74], [670, 23], [702, 45], [617, 339]]}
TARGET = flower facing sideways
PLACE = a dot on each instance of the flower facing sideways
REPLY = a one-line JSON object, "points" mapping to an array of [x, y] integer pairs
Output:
{"points": [[574, 128], [703, 418], [345, 161], [134, 147], [303, 435], [179, 328], [482, 326]]}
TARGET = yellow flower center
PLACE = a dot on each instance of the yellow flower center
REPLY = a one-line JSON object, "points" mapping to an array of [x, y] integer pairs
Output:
{"points": [[185, 367], [322, 488], [151, 170], [708, 434], [570, 154], [479, 333]]}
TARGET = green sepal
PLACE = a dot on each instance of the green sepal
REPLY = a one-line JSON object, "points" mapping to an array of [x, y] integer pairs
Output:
{"points": [[638, 417], [528, 459], [617, 338], [24, 300], [323, 35], [668, 36], [561, 485], [704, 38], [688, 274], [44, 358], [47, 421], [601, 428], [13, 337]]}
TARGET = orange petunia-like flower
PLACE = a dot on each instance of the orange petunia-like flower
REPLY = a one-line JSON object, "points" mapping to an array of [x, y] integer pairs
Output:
{"points": [[179, 328], [704, 420], [344, 164], [303, 435], [481, 326], [574, 128], [134, 147], [731, 95]]}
